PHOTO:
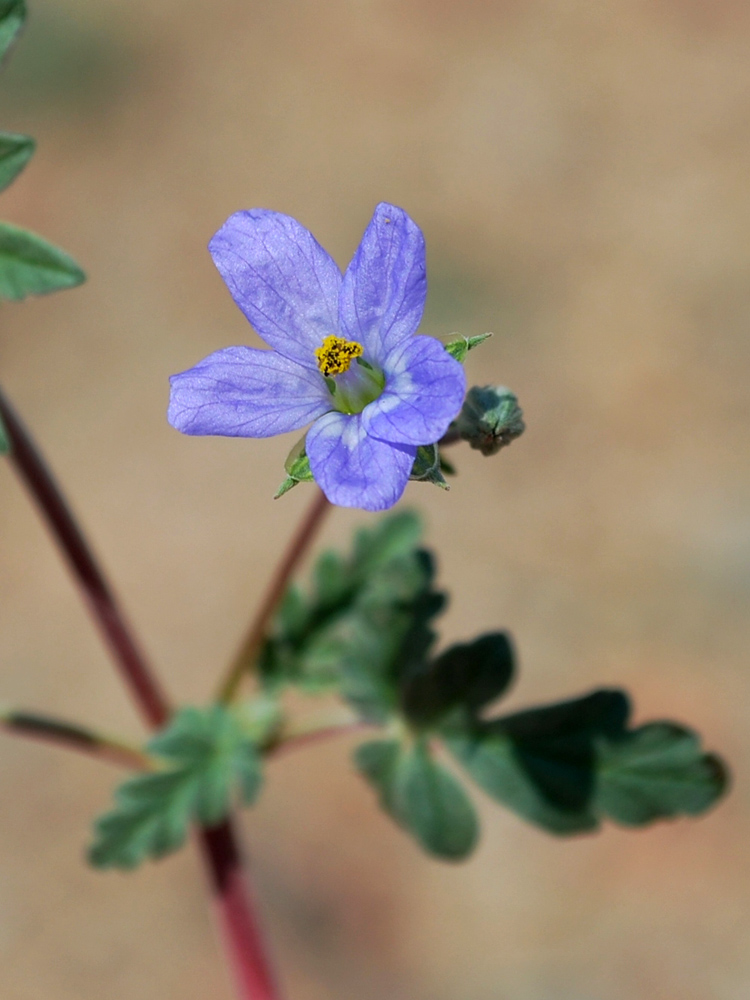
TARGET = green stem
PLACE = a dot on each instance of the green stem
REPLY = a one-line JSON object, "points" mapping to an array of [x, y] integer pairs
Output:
{"points": [[253, 641]]}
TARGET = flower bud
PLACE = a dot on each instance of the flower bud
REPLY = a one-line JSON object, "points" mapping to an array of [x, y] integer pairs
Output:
{"points": [[490, 418]]}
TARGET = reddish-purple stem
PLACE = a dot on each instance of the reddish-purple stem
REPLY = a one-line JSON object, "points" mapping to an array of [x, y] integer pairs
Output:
{"points": [[219, 845]]}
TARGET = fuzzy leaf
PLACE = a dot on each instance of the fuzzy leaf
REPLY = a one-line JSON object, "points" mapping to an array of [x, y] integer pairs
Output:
{"points": [[12, 17], [567, 766], [421, 796], [15, 153], [29, 265], [208, 758]]}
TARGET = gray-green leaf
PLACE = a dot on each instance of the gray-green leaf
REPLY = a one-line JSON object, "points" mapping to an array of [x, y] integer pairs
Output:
{"points": [[208, 757], [421, 796], [15, 153], [29, 265]]}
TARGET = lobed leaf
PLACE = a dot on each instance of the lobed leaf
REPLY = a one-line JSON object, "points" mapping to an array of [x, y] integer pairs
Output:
{"points": [[421, 796], [15, 153], [29, 265], [464, 678], [208, 757], [359, 621], [567, 766]]}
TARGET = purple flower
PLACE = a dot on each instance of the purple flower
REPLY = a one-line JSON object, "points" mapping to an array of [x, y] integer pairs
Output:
{"points": [[344, 354]]}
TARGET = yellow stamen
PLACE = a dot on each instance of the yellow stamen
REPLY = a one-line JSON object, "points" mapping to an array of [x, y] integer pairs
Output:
{"points": [[336, 354]]}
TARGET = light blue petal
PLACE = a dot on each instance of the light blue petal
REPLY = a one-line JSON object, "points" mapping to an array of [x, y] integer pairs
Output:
{"points": [[384, 288], [281, 278], [424, 391], [244, 392], [353, 469]]}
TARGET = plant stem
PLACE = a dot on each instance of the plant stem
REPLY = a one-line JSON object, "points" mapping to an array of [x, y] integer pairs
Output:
{"points": [[219, 845], [75, 737], [253, 640], [38, 479]]}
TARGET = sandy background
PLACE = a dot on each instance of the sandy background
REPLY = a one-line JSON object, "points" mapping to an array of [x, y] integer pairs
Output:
{"points": [[581, 174]]}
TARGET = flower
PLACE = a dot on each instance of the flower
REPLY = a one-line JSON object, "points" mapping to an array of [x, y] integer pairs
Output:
{"points": [[344, 354]]}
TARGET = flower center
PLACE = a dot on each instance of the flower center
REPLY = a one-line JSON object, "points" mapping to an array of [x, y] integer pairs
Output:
{"points": [[336, 354]]}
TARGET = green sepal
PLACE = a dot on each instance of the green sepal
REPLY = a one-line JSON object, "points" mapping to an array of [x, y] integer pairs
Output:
{"points": [[4, 439], [12, 17], [421, 796], [427, 466], [297, 467], [465, 678], [29, 265], [15, 153], [458, 349], [208, 760], [567, 766]]}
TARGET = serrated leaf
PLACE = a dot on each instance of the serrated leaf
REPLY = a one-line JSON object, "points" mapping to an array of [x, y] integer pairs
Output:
{"points": [[29, 265], [421, 796], [567, 766], [466, 677], [12, 17], [207, 757], [4, 439], [15, 153], [459, 348]]}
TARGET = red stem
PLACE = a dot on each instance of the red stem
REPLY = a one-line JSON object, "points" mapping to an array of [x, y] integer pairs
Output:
{"points": [[219, 845]]}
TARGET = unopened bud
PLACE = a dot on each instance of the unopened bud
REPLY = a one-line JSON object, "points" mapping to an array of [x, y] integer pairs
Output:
{"points": [[490, 419]]}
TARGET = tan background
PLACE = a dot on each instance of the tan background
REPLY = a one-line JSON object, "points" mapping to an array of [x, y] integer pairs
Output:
{"points": [[581, 174]]}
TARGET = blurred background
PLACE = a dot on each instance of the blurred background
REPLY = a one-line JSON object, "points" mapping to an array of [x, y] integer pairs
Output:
{"points": [[581, 174]]}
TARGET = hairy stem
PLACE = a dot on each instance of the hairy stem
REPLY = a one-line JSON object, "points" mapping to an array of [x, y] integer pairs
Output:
{"points": [[219, 845], [74, 737], [251, 645]]}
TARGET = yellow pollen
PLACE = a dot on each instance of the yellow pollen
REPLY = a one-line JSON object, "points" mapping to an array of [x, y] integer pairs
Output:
{"points": [[336, 354]]}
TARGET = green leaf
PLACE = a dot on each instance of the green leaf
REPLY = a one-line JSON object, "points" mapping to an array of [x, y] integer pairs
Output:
{"points": [[657, 771], [31, 266], [458, 349], [12, 17], [354, 618], [427, 466], [421, 796], [15, 153], [4, 439], [207, 757], [466, 677], [567, 766], [297, 466]]}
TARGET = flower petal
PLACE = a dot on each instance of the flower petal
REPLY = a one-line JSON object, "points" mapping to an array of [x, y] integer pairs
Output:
{"points": [[424, 390], [353, 469], [244, 392], [384, 288], [281, 278]]}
